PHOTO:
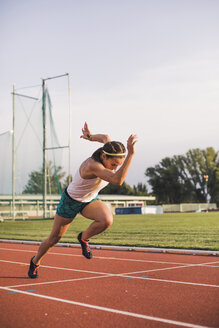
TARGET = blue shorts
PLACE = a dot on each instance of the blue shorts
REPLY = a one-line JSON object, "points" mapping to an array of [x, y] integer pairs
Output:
{"points": [[69, 208]]}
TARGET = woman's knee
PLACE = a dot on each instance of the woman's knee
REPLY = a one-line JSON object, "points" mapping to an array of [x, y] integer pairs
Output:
{"points": [[107, 221], [60, 226], [53, 240]]}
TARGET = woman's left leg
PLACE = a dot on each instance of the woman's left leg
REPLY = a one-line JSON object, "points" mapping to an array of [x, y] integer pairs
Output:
{"points": [[60, 226]]}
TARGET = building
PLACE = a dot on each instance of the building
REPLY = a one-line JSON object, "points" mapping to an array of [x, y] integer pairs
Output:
{"points": [[32, 205]]}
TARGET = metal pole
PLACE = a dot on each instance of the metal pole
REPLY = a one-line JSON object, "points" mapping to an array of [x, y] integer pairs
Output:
{"points": [[206, 181], [13, 156], [55, 77], [69, 136], [44, 138], [44, 147]]}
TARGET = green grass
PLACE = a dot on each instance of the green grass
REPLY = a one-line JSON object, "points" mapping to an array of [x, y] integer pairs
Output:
{"points": [[181, 230]]}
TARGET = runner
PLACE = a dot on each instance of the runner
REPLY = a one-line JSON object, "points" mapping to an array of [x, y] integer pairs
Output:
{"points": [[81, 196]]}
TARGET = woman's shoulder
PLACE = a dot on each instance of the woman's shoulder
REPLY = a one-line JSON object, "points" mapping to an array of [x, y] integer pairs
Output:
{"points": [[88, 167], [90, 162]]}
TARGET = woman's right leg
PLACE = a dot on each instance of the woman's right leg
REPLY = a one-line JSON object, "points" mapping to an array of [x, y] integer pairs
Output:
{"points": [[60, 226]]}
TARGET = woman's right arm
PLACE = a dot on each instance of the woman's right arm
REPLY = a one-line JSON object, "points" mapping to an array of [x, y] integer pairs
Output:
{"points": [[102, 138]]}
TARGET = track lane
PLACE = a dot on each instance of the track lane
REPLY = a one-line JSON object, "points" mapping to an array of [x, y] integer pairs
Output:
{"points": [[117, 289]]}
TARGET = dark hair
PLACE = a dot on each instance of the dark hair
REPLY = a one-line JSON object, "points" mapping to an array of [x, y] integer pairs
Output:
{"points": [[112, 147]]}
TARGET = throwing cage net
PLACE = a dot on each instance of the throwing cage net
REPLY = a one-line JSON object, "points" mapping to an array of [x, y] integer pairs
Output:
{"points": [[6, 162], [37, 160]]}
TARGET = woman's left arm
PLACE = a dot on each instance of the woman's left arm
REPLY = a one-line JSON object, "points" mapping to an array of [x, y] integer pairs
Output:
{"points": [[86, 134]]}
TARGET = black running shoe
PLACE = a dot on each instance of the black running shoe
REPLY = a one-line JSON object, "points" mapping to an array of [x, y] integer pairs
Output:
{"points": [[85, 247], [32, 273]]}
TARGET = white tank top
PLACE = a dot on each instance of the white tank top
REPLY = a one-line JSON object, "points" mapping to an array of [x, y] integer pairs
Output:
{"points": [[84, 190]]}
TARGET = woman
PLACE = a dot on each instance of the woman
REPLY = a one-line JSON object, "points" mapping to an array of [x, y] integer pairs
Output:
{"points": [[81, 194]]}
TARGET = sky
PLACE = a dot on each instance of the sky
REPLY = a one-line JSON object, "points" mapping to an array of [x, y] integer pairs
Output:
{"points": [[149, 67]]}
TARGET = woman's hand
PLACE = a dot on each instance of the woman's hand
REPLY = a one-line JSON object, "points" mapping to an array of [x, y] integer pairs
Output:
{"points": [[103, 138], [131, 143], [86, 132]]}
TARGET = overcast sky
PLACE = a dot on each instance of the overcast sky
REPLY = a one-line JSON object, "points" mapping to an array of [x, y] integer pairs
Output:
{"points": [[149, 67]]}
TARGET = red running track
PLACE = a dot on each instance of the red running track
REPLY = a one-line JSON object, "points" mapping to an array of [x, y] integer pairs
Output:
{"points": [[114, 289]]}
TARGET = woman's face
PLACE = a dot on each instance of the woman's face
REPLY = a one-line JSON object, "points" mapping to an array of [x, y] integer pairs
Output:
{"points": [[112, 163]]}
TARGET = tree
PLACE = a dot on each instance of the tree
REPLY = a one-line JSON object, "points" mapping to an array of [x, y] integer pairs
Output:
{"points": [[112, 189], [198, 164], [57, 181], [125, 189], [54, 178], [181, 178], [140, 189], [164, 181]]}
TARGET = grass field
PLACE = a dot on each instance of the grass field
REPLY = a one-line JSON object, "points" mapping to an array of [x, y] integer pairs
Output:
{"points": [[181, 230]]}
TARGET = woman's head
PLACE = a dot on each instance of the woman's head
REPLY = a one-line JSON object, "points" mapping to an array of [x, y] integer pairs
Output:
{"points": [[114, 149], [111, 155]]}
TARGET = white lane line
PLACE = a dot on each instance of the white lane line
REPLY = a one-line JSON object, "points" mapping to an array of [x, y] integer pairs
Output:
{"points": [[170, 281], [59, 268], [58, 281], [104, 273], [170, 268], [108, 275], [105, 309], [143, 261], [122, 276], [99, 257]]}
